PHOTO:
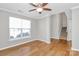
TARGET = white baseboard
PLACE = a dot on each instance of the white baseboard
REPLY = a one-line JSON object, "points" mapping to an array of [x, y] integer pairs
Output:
{"points": [[15, 45], [58, 38], [74, 49], [55, 38], [48, 42], [69, 40]]}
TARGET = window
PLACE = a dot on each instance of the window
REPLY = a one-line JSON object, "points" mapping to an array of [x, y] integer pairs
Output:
{"points": [[19, 28]]}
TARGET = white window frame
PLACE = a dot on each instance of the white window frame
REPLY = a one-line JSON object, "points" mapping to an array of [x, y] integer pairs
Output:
{"points": [[21, 38]]}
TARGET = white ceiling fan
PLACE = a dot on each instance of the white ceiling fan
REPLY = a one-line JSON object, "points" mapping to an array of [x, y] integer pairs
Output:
{"points": [[39, 7]]}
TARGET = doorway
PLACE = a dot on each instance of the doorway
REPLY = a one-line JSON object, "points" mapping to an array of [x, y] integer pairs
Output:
{"points": [[63, 33]]}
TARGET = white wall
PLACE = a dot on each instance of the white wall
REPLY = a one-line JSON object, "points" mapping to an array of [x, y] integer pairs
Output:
{"points": [[64, 19], [56, 26], [44, 29], [34, 29], [4, 30], [75, 29]]}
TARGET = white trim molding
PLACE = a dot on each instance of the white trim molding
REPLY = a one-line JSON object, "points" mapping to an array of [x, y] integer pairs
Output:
{"points": [[74, 7], [15, 12], [55, 38], [74, 49], [46, 41], [15, 45]]}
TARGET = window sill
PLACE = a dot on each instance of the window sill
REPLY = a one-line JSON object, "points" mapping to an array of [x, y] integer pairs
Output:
{"points": [[20, 38]]}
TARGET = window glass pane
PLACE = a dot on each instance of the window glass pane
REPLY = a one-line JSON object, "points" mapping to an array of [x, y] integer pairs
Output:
{"points": [[14, 22], [15, 33], [25, 32], [18, 33], [26, 24], [12, 33]]}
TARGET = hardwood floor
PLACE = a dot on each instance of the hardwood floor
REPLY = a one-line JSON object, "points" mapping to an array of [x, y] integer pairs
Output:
{"points": [[39, 48]]}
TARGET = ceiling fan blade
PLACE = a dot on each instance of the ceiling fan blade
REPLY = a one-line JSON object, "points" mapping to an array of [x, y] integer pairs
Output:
{"points": [[32, 10], [44, 4], [33, 4], [48, 9]]}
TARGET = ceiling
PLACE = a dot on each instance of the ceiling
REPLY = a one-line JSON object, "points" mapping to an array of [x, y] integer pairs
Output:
{"points": [[22, 8]]}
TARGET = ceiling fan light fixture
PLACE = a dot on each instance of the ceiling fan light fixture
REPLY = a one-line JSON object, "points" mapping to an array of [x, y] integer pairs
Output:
{"points": [[39, 9]]}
